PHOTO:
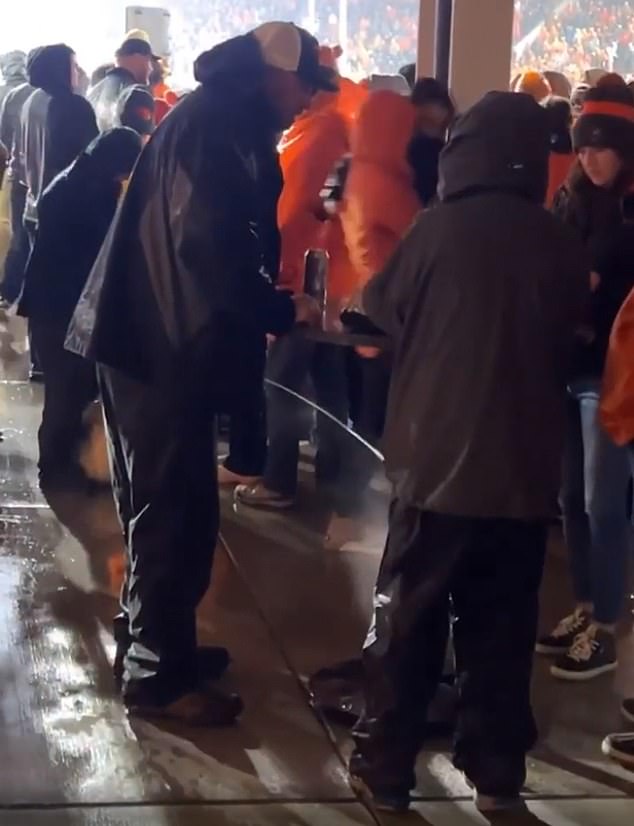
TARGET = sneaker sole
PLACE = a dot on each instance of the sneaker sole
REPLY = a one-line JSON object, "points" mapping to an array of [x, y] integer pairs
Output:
{"points": [[616, 755], [550, 651], [488, 806], [283, 505], [582, 676]]}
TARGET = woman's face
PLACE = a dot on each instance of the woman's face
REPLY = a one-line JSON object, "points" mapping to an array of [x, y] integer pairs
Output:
{"points": [[602, 166]]}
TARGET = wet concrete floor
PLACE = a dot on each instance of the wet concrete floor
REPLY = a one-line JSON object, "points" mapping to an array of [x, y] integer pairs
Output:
{"points": [[285, 605]]}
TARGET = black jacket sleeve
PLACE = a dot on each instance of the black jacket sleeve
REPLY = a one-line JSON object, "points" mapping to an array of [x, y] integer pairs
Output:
{"points": [[219, 243], [72, 126]]}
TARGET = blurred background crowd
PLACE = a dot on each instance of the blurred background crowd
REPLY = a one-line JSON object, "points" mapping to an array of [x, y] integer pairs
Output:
{"points": [[565, 35]]}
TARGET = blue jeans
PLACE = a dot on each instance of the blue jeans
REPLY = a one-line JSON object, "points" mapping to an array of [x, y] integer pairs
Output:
{"points": [[596, 483]]}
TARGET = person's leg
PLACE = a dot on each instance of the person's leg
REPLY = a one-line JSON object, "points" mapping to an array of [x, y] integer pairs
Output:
{"points": [[577, 537], [607, 477], [18, 254], [330, 381], [247, 441], [70, 386], [170, 462], [405, 649], [287, 365], [495, 592]]}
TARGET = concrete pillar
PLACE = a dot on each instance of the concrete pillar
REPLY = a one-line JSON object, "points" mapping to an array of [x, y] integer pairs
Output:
{"points": [[425, 63], [481, 48]]}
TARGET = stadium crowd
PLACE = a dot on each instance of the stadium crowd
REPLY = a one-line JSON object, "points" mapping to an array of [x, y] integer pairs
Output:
{"points": [[576, 34]]}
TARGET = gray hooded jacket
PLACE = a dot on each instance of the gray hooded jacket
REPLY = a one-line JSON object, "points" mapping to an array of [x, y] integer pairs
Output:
{"points": [[482, 299]]}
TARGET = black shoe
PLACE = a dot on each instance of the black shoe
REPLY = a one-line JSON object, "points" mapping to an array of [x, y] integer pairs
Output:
{"points": [[563, 636], [592, 653], [386, 787], [201, 706], [627, 708], [212, 662], [620, 747], [393, 801]]}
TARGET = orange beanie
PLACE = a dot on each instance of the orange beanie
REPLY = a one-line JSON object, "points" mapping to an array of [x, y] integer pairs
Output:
{"points": [[534, 84]]}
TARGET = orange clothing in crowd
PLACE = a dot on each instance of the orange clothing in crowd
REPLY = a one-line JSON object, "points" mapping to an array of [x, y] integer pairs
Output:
{"points": [[617, 401], [308, 153], [558, 170], [380, 202]]}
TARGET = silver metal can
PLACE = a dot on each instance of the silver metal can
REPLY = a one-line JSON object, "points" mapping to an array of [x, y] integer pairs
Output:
{"points": [[316, 277]]}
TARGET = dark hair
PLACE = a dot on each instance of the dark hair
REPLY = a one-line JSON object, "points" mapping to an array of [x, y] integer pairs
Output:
{"points": [[580, 185], [430, 90]]}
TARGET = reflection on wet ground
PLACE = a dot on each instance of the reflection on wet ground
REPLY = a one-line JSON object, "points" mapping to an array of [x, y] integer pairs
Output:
{"points": [[286, 604]]}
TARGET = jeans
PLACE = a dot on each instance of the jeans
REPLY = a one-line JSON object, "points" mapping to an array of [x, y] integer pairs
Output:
{"points": [[596, 481], [293, 361], [163, 453], [489, 571]]}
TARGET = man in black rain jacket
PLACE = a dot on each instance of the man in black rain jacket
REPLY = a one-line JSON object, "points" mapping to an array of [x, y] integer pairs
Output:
{"points": [[176, 313]]}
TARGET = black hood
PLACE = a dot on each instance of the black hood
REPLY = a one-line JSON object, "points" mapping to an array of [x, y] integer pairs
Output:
{"points": [[48, 68], [501, 143], [237, 64]]}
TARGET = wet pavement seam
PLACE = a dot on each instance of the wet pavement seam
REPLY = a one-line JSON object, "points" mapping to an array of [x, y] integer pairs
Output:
{"points": [[277, 642]]}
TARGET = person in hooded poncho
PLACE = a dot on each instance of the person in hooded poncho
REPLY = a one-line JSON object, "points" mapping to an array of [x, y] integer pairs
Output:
{"points": [[74, 214], [176, 313], [483, 321], [56, 124]]}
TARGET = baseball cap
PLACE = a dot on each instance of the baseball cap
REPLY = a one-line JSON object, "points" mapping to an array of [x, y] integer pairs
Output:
{"points": [[290, 48], [135, 45]]}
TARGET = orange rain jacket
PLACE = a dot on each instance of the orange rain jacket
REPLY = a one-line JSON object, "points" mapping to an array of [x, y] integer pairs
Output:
{"points": [[617, 402], [308, 153], [380, 202]]}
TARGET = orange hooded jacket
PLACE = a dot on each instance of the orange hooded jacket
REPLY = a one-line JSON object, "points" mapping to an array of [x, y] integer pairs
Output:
{"points": [[380, 202], [308, 153], [617, 401]]}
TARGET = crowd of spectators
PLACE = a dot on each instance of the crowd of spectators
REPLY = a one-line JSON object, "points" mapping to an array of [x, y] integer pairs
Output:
{"points": [[579, 34], [565, 35], [381, 38]]}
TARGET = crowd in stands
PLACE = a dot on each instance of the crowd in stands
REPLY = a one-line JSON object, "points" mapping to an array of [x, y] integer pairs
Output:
{"points": [[579, 33]]}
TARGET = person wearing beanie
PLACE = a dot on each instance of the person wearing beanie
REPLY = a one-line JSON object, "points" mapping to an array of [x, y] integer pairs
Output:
{"points": [[482, 320], [133, 66], [534, 84], [596, 202], [562, 156], [14, 260], [74, 215]]}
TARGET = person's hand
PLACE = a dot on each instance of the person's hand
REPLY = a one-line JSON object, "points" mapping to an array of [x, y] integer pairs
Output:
{"points": [[307, 310], [368, 352]]}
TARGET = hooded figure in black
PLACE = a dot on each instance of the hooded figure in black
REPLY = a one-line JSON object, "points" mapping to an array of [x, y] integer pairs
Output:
{"points": [[482, 300], [56, 123], [74, 214], [176, 313]]}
